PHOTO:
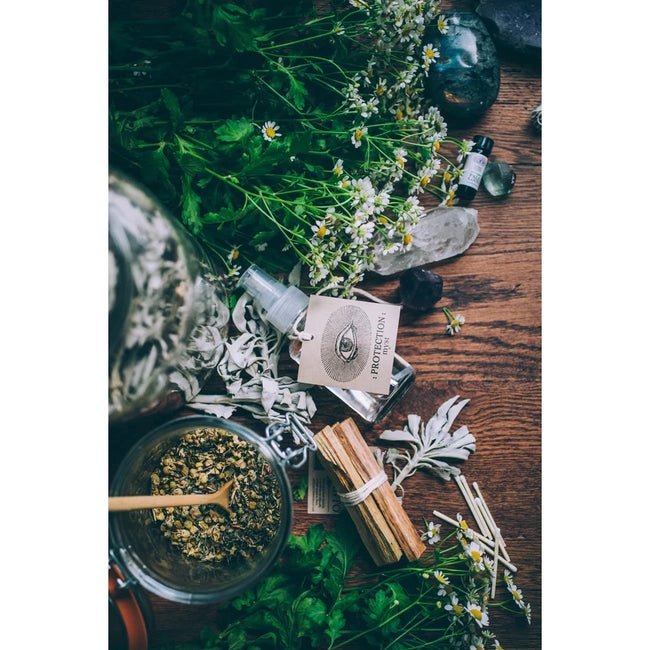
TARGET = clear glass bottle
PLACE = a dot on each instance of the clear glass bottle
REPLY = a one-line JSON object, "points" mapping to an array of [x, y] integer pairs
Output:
{"points": [[286, 309], [167, 310]]}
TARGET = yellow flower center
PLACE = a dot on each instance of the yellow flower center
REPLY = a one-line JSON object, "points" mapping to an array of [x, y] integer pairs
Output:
{"points": [[441, 23], [345, 183], [458, 610], [425, 180], [476, 556], [447, 177], [428, 53], [441, 579], [380, 90], [408, 238], [383, 220], [436, 145], [450, 199], [516, 595], [463, 524], [270, 131], [476, 613], [399, 114], [338, 170], [322, 231], [401, 162], [358, 134], [235, 254]]}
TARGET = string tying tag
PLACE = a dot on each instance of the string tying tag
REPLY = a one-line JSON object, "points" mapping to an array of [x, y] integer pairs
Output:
{"points": [[359, 495]]}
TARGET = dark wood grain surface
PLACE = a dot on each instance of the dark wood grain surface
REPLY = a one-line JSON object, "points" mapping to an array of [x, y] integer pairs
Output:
{"points": [[494, 361]]}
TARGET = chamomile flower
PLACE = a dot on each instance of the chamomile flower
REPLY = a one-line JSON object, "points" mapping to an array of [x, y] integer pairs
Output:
{"points": [[464, 526], [320, 229], [528, 612], [477, 644], [233, 254], [380, 87], [479, 615], [429, 56], [357, 136], [400, 157], [443, 24], [407, 241], [337, 170], [497, 645], [475, 553], [454, 606], [432, 535], [464, 148], [441, 578], [516, 594], [450, 197], [455, 321], [270, 131]]}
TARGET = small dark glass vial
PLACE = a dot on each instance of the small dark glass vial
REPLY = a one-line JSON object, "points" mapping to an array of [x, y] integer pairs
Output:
{"points": [[474, 167]]}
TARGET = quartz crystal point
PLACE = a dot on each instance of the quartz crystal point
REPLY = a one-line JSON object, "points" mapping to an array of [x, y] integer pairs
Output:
{"points": [[499, 178], [440, 234]]}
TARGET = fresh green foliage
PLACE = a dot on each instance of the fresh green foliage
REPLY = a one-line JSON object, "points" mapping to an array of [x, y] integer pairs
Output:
{"points": [[283, 131], [310, 601], [300, 490]]}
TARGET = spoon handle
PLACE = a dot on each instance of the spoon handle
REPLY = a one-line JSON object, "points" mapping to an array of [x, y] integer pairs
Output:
{"points": [[145, 502]]}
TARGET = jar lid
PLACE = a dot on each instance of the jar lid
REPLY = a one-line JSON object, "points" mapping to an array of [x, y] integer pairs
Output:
{"points": [[126, 622]]}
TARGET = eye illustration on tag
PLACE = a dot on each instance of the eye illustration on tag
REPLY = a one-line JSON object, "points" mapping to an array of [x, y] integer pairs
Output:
{"points": [[345, 344], [346, 347]]}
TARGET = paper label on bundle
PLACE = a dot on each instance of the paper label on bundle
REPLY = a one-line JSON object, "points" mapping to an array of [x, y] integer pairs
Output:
{"points": [[321, 495], [353, 345]]}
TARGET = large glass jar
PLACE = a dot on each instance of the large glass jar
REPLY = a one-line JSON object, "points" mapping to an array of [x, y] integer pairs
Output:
{"points": [[167, 309]]}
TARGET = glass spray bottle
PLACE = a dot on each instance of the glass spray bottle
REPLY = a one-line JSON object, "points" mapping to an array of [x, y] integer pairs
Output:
{"points": [[285, 308]]}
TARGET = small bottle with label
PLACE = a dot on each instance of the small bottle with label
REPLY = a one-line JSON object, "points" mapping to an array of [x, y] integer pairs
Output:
{"points": [[285, 308], [474, 167]]}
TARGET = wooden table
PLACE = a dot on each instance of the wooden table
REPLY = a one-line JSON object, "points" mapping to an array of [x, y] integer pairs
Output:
{"points": [[494, 361]]}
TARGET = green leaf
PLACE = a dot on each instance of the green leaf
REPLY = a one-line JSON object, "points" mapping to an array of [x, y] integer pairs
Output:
{"points": [[335, 624], [171, 103], [234, 130], [190, 207], [297, 92], [300, 491]]}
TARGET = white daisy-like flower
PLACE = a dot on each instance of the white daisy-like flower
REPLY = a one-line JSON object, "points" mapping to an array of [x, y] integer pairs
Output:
{"points": [[477, 644], [464, 526], [450, 196], [443, 24], [478, 614], [337, 170], [456, 321], [380, 87], [233, 254], [497, 645], [517, 595], [441, 578], [464, 148], [432, 535], [507, 576], [454, 606], [270, 131], [357, 136], [475, 553], [320, 229], [400, 157], [528, 612]]}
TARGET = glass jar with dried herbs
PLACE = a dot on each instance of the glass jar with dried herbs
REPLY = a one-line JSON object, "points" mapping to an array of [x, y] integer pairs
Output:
{"points": [[207, 553], [167, 309]]}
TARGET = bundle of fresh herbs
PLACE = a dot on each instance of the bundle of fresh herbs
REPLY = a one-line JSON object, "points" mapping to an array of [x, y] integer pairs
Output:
{"points": [[285, 130], [309, 601]]}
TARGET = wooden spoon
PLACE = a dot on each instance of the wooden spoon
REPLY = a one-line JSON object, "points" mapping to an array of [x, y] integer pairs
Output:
{"points": [[219, 498]]}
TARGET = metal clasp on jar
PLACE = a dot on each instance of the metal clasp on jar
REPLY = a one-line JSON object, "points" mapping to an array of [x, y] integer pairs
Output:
{"points": [[295, 456]]}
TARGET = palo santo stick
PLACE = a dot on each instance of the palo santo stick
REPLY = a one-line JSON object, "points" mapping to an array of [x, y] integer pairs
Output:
{"points": [[482, 506], [485, 543], [375, 533], [496, 564], [490, 519], [394, 514], [469, 499]]}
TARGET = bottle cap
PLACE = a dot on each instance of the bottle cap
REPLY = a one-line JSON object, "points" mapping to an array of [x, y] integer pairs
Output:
{"points": [[483, 144], [283, 305]]}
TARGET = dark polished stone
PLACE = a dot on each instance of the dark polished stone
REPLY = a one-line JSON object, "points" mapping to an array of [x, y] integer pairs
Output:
{"points": [[515, 24], [420, 289], [464, 82]]}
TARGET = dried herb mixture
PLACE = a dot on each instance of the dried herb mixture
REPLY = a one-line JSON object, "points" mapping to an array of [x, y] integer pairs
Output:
{"points": [[203, 461]]}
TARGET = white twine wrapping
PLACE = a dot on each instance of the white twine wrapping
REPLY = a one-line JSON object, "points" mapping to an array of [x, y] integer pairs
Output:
{"points": [[359, 495]]}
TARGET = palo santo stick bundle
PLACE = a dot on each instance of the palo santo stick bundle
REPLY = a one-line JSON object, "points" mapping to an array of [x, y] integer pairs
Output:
{"points": [[383, 525]]}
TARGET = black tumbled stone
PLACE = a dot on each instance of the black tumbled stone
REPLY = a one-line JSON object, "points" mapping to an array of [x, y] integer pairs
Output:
{"points": [[420, 289]]}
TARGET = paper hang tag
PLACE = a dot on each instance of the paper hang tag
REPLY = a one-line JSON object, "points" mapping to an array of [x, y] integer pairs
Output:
{"points": [[353, 345]]}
